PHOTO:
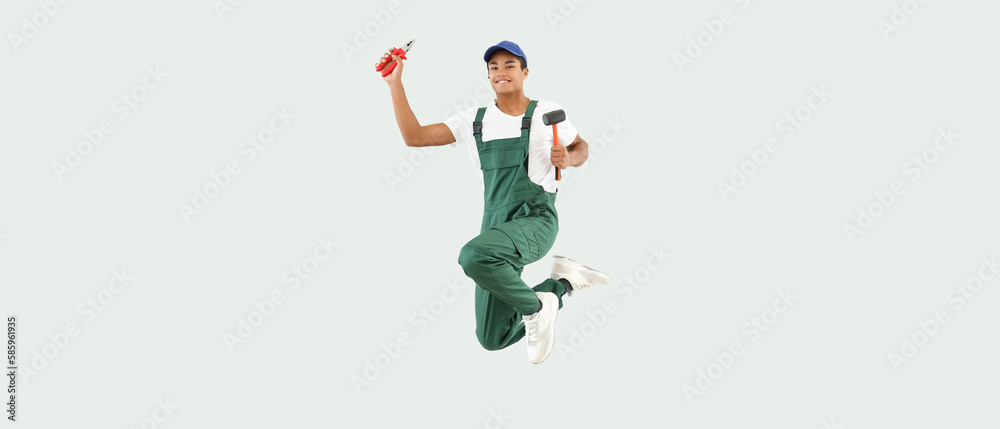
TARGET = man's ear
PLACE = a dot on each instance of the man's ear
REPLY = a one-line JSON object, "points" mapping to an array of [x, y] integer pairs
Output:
{"points": [[525, 72]]}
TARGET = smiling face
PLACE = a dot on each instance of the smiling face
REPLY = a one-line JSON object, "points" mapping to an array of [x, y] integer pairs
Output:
{"points": [[506, 72]]}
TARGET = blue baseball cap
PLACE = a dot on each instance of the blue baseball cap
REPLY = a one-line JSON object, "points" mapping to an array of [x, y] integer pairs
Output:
{"points": [[505, 45]]}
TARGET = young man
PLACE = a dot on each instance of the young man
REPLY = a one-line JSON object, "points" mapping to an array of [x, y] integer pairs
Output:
{"points": [[513, 150]]}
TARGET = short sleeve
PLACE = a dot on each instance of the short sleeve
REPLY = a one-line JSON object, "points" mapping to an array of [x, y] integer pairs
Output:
{"points": [[460, 125], [567, 132]]}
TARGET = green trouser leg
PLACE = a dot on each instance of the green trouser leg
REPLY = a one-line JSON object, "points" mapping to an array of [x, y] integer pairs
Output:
{"points": [[502, 297]]}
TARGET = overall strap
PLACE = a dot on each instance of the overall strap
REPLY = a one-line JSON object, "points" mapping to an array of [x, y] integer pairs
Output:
{"points": [[477, 126], [526, 121]]}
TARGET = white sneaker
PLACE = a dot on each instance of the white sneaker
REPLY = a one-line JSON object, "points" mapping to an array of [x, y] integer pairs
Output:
{"points": [[580, 276], [539, 328]]}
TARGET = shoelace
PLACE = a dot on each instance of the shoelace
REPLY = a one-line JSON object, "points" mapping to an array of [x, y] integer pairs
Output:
{"points": [[531, 330]]}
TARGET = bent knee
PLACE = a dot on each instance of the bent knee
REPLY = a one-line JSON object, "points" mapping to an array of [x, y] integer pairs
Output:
{"points": [[471, 258], [490, 342]]}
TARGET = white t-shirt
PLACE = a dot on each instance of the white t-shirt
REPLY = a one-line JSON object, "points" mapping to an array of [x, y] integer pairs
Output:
{"points": [[499, 125]]}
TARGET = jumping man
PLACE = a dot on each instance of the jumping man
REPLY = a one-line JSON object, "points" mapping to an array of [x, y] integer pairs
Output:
{"points": [[517, 162]]}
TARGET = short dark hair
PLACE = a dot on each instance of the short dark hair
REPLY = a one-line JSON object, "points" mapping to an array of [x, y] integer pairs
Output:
{"points": [[524, 62]]}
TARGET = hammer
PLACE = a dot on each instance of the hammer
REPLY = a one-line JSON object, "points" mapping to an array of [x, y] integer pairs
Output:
{"points": [[552, 118]]}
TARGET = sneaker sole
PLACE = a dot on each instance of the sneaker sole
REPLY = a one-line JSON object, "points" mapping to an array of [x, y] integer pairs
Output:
{"points": [[562, 264]]}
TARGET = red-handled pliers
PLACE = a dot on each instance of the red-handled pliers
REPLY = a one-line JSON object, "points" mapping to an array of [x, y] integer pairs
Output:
{"points": [[387, 64]]}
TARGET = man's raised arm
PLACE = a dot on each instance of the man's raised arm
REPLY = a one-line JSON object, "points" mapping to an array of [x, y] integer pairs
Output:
{"points": [[413, 133]]}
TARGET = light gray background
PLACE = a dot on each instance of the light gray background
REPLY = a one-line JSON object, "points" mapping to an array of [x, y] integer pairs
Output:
{"points": [[653, 184]]}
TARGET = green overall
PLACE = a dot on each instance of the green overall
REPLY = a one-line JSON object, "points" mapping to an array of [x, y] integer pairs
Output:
{"points": [[519, 227]]}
